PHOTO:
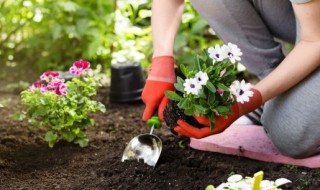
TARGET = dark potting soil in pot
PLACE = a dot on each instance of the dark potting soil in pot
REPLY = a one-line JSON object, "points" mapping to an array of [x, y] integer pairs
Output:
{"points": [[26, 161], [173, 113]]}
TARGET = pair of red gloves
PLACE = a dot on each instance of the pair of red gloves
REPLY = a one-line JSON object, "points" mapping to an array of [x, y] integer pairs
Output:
{"points": [[161, 77]]}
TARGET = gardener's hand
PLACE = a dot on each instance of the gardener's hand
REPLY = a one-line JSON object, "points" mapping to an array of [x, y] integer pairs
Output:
{"points": [[185, 129], [161, 77]]}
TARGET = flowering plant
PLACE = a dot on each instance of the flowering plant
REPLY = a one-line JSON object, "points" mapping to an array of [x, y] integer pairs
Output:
{"points": [[237, 182], [62, 107], [209, 88]]}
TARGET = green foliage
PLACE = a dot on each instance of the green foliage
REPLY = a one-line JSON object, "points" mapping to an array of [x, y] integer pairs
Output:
{"points": [[64, 116], [208, 102], [45, 33], [41, 34], [291, 168]]}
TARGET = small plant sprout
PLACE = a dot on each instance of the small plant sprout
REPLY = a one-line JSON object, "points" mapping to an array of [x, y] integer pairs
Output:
{"points": [[237, 182], [61, 107], [209, 88]]}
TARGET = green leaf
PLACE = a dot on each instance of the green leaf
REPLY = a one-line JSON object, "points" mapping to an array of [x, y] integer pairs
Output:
{"points": [[40, 111], [222, 109], [209, 70], [202, 94], [180, 80], [51, 138], [198, 109], [179, 87], [76, 131], [173, 95], [44, 101], [183, 103], [197, 63], [58, 127], [69, 136], [83, 142], [82, 25], [91, 122], [188, 112], [211, 87], [222, 86], [204, 103], [101, 107], [72, 113], [93, 48], [184, 70], [180, 42], [198, 26], [212, 118]]}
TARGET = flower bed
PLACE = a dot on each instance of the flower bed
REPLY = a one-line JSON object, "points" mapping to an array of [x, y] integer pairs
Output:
{"points": [[26, 161]]}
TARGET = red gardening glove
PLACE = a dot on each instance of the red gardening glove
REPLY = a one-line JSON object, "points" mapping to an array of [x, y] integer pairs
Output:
{"points": [[185, 129], [161, 77]]}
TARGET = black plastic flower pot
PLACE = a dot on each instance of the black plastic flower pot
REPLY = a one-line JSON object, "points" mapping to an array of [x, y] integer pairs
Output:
{"points": [[127, 82]]}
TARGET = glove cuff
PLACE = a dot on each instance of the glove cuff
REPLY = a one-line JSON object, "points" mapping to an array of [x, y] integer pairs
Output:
{"points": [[254, 103], [162, 69]]}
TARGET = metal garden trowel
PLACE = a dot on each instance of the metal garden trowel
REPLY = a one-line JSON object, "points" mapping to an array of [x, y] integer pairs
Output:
{"points": [[146, 147]]}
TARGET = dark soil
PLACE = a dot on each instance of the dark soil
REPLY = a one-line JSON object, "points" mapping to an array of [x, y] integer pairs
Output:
{"points": [[26, 161]]}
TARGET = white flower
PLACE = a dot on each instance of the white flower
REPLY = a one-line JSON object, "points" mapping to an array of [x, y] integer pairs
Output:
{"points": [[281, 181], [218, 53], [241, 91], [192, 86], [233, 53], [202, 77], [234, 178], [237, 182]]}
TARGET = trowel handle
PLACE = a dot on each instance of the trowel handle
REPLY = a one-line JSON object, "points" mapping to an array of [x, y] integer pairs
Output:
{"points": [[154, 120]]}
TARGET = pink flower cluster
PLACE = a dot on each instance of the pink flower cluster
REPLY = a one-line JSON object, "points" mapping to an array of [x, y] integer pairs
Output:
{"points": [[79, 67], [53, 84]]}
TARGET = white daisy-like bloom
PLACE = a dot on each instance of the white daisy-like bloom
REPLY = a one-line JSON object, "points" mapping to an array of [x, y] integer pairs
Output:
{"points": [[240, 183], [218, 53], [202, 77], [192, 86], [241, 91], [233, 53]]}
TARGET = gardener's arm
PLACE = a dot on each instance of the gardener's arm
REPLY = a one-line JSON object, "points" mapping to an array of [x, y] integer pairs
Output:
{"points": [[165, 21], [302, 60]]}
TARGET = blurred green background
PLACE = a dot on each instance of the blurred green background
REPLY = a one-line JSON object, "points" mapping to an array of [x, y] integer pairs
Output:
{"points": [[42, 35]]}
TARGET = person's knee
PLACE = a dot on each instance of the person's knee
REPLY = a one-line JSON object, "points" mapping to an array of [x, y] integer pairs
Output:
{"points": [[296, 140]]}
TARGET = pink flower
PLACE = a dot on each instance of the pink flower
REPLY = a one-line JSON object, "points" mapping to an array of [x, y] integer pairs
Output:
{"points": [[53, 85], [220, 91], [39, 85], [79, 67], [61, 90], [49, 74]]}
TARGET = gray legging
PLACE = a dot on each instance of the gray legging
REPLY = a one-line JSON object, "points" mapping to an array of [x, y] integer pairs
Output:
{"points": [[291, 120]]}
